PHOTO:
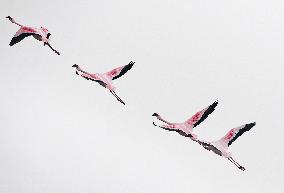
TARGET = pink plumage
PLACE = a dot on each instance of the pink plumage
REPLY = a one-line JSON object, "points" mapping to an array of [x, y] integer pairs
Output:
{"points": [[186, 128], [106, 79], [220, 146], [41, 34]]}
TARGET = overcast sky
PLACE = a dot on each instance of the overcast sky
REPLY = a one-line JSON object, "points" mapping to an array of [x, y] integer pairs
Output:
{"points": [[63, 134]]}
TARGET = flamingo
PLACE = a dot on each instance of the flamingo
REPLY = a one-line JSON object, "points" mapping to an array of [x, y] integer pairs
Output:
{"points": [[186, 128], [41, 34], [220, 147], [106, 79]]}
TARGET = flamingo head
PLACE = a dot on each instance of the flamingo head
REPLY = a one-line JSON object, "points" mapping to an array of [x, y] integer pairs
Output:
{"points": [[10, 18], [156, 115], [75, 66]]}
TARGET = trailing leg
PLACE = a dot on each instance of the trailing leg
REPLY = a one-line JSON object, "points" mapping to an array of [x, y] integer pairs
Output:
{"points": [[236, 163], [117, 97]]}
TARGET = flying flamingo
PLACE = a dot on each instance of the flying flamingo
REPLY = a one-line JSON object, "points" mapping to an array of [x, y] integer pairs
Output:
{"points": [[186, 128], [105, 79], [220, 147], [41, 34]]}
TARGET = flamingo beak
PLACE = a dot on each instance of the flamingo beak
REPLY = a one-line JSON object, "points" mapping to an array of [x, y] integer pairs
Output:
{"points": [[8, 17], [155, 115], [75, 66]]}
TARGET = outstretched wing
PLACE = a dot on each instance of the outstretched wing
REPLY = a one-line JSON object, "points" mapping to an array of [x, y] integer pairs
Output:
{"points": [[118, 72], [171, 128], [22, 33], [92, 78], [233, 134], [201, 115], [210, 147]]}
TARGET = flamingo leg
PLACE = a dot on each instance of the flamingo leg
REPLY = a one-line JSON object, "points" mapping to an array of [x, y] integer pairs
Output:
{"points": [[52, 48], [233, 162], [117, 97], [236, 163], [240, 167]]}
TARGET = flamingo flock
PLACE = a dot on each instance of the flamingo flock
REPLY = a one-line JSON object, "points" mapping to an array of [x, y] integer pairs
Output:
{"points": [[219, 147]]}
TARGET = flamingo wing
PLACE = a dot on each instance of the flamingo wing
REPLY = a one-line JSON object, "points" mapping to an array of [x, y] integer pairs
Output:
{"points": [[210, 147], [171, 128], [118, 72], [93, 78], [200, 116], [22, 33], [234, 133]]}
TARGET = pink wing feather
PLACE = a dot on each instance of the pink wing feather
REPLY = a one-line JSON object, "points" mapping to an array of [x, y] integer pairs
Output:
{"points": [[118, 72], [201, 115], [233, 134], [25, 30], [22, 33]]}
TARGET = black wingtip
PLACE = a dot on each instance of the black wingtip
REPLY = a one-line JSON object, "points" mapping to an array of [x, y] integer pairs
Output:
{"points": [[250, 125], [124, 70], [209, 110], [212, 107], [246, 127], [130, 64], [13, 41], [215, 103]]}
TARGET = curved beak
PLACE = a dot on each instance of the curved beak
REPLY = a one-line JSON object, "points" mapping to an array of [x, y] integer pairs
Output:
{"points": [[75, 66], [155, 114]]}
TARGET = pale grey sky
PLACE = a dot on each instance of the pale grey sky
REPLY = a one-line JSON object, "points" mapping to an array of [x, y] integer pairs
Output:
{"points": [[63, 134]]}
